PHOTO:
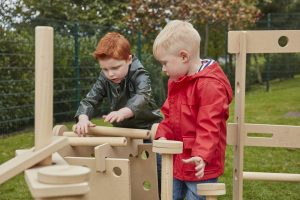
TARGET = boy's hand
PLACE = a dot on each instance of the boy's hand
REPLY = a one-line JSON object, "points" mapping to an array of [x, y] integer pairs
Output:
{"points": [[118, 116], [200, 165], [82, 126]]}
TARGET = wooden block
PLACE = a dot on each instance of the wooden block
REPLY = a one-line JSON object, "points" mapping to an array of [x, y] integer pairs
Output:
{"points": [[42, 190], [101, 152], [167, 144], [144, 185], [58, 130], [63, 174], [20, 163], [117, 175], [95, 141]]}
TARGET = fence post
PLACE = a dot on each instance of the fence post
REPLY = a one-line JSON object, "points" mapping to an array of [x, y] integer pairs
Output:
{"points": [[268, 58], [76, 64], [139, 46]]}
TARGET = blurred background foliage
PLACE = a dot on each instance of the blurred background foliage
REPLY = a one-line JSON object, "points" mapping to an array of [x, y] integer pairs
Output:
{"points": [[80, 24]]}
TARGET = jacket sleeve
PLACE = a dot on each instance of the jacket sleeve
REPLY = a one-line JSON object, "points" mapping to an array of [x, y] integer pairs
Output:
{"points": [[164, 128], [95, 95], [142, 97], [211, 117]]}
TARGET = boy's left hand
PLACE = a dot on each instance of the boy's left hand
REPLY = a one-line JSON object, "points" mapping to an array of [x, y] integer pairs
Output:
{"points": [[200, 165], [113, 116], [118, 116]]}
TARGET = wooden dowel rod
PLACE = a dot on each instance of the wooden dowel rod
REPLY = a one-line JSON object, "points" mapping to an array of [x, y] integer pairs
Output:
{"points": [[271, 176], [119, 132], [43, 88], [167, 177], [69, 134], [95, 141]]}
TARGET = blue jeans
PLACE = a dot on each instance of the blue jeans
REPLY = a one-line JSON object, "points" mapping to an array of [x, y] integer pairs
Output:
{"points": [[188, 189]]}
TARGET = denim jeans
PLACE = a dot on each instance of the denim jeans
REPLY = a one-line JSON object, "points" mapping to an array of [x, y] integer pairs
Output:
{"points": [[188, 189]]}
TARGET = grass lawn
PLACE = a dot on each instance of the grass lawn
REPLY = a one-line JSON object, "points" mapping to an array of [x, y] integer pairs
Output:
{"points": [[279, 106]]}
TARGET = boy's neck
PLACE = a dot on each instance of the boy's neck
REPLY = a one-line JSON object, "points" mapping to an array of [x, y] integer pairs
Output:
{"points": [[194, 66]]}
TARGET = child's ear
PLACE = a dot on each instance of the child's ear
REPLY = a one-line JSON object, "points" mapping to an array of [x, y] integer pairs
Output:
{"points": [[184, 55], [129, 58]]}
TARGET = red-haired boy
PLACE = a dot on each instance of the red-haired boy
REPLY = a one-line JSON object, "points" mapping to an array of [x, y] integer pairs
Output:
{"points": [[126, 84]]}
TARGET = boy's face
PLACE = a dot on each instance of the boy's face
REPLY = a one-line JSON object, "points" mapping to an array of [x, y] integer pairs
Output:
{"points": [[173, 65], [115, 70]]}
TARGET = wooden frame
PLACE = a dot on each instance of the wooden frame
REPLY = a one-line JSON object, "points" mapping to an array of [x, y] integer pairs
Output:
{"points": [[240, 43]]}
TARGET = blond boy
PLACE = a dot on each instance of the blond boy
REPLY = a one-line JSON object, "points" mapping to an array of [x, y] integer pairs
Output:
{"points": [[195, 110]]}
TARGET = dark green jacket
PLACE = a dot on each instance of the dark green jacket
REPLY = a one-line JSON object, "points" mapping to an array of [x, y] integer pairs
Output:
{"points": [[133, 92]]}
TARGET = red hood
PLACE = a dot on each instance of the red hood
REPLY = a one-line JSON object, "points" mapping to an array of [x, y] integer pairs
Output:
{"points": [[213, 71]]}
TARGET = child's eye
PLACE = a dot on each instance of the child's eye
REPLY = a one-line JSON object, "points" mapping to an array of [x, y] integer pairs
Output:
{"points": [[114, 68]]}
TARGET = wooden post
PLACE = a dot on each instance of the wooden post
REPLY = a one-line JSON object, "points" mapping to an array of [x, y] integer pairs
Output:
{"points": [[239, 118], [167, 148], [43, 122]]}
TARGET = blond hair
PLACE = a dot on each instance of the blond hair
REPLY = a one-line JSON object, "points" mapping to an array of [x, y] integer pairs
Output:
{"points": [[177, 35]]}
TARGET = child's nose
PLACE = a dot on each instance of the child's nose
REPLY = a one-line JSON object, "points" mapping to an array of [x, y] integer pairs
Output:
{"points": [[111, 73]]}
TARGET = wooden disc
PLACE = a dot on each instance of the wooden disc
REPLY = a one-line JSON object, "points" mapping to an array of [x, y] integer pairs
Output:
{"points": [[167, 144], [167, 150], [211, 189], [58, 130], [63, 174]]}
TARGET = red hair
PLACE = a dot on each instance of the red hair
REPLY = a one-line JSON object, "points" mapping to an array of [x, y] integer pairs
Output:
{"points": [[113, 45]]}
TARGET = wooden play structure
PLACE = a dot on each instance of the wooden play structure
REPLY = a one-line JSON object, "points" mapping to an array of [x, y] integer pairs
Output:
{"points": [[242, 43], [114, 163]]}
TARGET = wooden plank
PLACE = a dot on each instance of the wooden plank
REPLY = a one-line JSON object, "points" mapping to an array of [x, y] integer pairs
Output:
{"points": [[265, 41], [22, 162], [239, 118], [283, 136], [280, 135]]}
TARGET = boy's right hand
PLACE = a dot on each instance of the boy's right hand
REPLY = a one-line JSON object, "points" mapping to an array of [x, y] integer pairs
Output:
{"points": [[82, 126]]}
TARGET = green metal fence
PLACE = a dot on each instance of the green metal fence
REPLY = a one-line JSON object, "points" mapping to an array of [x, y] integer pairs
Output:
{"points": [[75, 70]]}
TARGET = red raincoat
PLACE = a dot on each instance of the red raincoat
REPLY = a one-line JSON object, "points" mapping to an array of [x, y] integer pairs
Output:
{"points": [[196, 111]]}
